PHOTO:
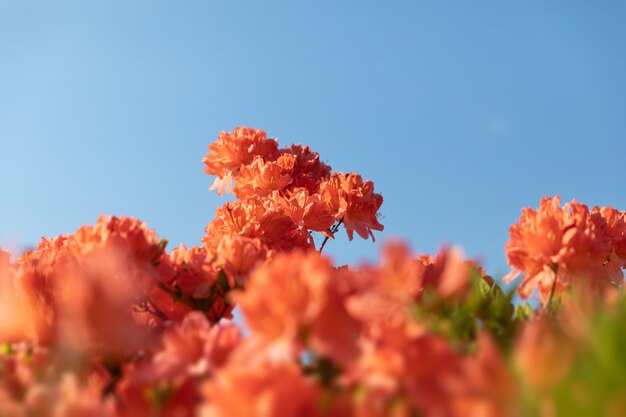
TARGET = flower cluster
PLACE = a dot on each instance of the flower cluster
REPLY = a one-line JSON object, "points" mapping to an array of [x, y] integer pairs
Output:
{"points": [[74, 290], [284, 195], [558, 246], [106, 323]]}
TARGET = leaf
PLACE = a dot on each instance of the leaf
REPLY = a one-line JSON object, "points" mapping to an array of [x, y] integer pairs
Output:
{"points": [[524, 312]]}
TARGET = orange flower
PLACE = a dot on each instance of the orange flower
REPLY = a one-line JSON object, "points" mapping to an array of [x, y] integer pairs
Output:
{"points": [[234, 218], [262, 177], [128, 240], [21, 365], [544, 354], [195, 284], [66, 397], [131, 235], [158, 308], [77, 290], [190, 348], [167, 383], [35, 286], [262, 388], [280, 232], [447, 273], [286, 295], [138, 398], [94, 303], [238, 255], [400, 363], [389, 288], [308, 211], [296, 300], [567, 244], [308, 171], [484, 386], [260, 218], [354, 202], [401, 368], [12, 321], [616, 231], [194, 271], [232, 150]]}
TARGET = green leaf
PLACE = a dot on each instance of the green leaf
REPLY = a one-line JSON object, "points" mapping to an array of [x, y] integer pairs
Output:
{"points": [[524, 311]]}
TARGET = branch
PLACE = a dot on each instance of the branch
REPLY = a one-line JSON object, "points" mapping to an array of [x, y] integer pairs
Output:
{"points": [[333, 229]]}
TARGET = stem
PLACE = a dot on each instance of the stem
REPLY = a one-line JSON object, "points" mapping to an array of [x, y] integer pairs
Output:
{"points": [[148, 307], [156, 311], [551, 296], [114, 370], [109, 388], [333, 229]]}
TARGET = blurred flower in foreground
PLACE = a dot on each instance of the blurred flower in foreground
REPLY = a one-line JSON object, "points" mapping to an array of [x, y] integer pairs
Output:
{"points": [[297, 300], [76, 290], [262, 388]]}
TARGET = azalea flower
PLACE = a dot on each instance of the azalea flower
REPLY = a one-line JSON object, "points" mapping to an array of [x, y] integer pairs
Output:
{"points": [[555, 246], [354, 203], [297, 300], [233, 150]]}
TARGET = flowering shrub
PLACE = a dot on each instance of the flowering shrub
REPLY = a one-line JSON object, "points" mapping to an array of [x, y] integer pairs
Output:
{"points": [[106, 322]]}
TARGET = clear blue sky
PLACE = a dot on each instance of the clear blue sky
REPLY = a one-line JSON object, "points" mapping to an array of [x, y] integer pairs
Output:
{"points": [[461, 112]]}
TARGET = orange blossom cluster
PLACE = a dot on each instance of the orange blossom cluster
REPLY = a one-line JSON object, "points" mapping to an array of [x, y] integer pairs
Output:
{"points": [[106, 323], [558, 246]]}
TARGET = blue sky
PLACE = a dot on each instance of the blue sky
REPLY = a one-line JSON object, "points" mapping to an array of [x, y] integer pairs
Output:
{"points": [[462, 113]]}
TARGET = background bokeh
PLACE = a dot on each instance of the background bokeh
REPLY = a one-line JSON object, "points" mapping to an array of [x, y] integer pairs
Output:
{"points": [[461, 112]]}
